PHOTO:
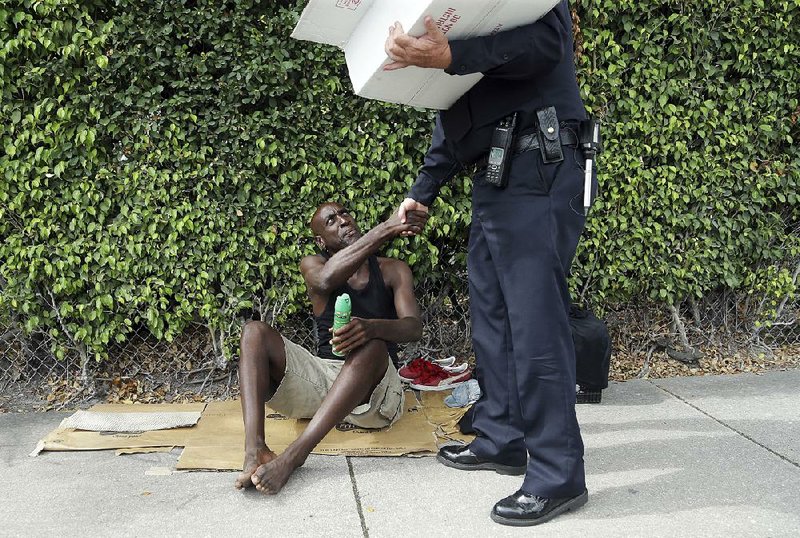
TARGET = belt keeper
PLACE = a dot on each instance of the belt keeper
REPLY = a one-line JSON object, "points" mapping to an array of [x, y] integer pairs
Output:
{"points": [[549, 135]]}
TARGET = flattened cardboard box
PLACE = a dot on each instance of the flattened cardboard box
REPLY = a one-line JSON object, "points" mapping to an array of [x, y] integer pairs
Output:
{"points": [[360, 28], [217, 441]]}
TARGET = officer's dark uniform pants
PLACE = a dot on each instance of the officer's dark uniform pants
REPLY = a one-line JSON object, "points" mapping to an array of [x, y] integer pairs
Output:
{"points": [[522, 241]]}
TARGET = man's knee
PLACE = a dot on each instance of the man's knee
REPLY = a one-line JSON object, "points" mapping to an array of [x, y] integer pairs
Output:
{"points": [[374, 354], [374, 348], [261, 342], [260, 337], [255, 331]]}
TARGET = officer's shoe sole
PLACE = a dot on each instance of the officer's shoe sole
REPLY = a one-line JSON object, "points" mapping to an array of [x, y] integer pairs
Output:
{"points": [[499, 468]]}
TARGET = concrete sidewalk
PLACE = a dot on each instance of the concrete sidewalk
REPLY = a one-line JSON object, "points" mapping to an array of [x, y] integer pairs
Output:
{"points": [[701, 456]]}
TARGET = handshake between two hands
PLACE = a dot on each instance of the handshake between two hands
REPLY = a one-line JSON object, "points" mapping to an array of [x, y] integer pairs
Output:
{"points": [[412, 217]]}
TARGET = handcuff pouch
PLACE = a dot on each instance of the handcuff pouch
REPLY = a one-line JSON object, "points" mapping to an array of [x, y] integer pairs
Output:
{"points": [[549, 135]]}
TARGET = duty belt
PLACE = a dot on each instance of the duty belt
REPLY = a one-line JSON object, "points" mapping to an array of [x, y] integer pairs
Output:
{"points": [[527, 142]]}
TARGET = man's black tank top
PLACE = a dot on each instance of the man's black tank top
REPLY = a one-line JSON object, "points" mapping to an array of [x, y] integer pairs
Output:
{"points": [[375, 301]]}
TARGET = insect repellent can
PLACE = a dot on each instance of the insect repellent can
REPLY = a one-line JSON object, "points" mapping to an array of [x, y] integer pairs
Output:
{"points": [[341, 315]]}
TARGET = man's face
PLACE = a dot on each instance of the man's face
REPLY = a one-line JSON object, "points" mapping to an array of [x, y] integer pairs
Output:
{"points": [[334, 227]]}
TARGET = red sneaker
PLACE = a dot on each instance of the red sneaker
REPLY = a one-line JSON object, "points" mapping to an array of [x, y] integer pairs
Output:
{"points": [[413, 369], [422, 369], [437, 378]]}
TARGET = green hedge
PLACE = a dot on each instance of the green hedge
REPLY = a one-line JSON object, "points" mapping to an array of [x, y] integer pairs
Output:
{"points": [[700, 180], [162, 159]]}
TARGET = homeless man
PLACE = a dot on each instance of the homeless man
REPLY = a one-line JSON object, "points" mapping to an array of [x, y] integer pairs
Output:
{"points": [[362, 387]]}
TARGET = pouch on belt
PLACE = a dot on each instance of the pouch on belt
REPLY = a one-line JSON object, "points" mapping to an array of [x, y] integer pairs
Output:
{"points": [[549, 135]]}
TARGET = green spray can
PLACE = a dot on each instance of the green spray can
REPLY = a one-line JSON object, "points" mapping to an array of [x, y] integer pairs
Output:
{"points": [[341, 315]]}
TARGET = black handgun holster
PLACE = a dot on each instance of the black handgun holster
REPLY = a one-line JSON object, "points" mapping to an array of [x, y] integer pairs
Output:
{"points": [[549, 135]]}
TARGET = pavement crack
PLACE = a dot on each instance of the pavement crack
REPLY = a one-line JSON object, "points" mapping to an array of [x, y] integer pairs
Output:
{"points": [[718, 421], [364, 529]]}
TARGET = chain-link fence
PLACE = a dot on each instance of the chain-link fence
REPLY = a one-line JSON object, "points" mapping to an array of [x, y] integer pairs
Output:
{"points": [[724, 332]]}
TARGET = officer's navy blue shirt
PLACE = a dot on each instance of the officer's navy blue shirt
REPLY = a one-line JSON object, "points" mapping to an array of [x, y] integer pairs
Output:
{"points": [[525, 68]]}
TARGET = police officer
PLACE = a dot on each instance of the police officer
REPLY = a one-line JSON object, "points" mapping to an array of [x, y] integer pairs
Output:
{"points": [[525, 229]]}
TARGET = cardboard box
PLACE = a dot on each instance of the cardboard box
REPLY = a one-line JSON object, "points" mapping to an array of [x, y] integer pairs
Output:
{"points": [[360, 28]]}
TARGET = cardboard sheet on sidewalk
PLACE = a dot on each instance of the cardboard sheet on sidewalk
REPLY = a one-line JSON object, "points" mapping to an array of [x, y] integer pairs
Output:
{"points": [[444, 419], [216, 441], [97, 421]]}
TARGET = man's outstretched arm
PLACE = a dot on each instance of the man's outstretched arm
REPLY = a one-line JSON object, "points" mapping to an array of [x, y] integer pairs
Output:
{"points": [[324, 276]]}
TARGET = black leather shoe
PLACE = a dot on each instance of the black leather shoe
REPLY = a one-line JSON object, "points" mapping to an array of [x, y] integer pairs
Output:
{"points": [[523, 509], [461, 457]]}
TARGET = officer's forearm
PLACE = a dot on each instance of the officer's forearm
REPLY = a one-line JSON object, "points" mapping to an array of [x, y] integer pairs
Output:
{"points": [[439, 166]]}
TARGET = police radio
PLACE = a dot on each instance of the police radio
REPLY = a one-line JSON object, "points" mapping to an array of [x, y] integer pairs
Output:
{"points": [[500, 152]]}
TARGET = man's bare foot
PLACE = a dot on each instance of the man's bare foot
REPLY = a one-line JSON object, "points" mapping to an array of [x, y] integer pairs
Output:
{"points": [[272, 476], [253, 459]]}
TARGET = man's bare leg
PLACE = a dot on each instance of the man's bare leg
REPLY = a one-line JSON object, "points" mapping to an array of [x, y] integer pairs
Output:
{"points": [[361, 373], [262, 364]]}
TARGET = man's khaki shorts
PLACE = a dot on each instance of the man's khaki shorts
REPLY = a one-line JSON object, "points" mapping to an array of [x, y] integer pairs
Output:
{"points": [[308, 379]]}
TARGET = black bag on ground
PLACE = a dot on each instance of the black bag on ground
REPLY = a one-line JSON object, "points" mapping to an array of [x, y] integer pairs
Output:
{"points": [[592, 358], [465, 422], [592, 354]]}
